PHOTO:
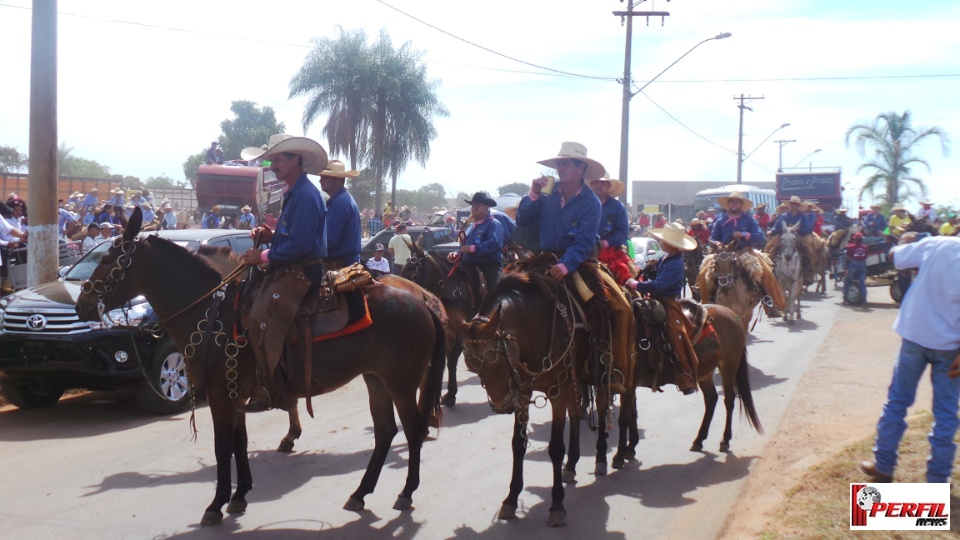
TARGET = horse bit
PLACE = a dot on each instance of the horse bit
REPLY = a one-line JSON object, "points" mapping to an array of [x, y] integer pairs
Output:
{"points": [[728, 279]]}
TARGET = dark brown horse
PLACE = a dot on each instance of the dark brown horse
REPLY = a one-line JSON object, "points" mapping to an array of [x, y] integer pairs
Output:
{"points": [[199, 314], [723, 349], [522, 342]]}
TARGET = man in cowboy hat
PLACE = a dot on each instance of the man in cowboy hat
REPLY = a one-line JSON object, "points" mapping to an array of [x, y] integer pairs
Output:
{"points": [[699, 231], [899, 221], [212, 221], [614, 226], [667, 287], [569, 222], [842, 221], [806, 245], [762, 217], [294, 257], [874, 223], [76, 198], [169, 219], [343, 217], [483, 244], [91, 199], [117, 199], [735, 224], [247, 220], [927, 212]]}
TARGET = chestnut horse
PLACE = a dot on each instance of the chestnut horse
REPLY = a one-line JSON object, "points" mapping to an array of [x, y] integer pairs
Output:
{"points": [[199, 312], [724, 349], [527, 337]]}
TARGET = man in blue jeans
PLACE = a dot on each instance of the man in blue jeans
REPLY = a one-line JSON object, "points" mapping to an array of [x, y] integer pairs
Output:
{"points": [[929, 323], [856, 268]]}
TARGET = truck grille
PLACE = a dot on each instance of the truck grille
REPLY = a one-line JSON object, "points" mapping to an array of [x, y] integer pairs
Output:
{"points": [[57, 322]]}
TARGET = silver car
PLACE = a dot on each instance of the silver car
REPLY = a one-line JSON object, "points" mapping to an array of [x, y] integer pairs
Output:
{"points": [[647, 251]]}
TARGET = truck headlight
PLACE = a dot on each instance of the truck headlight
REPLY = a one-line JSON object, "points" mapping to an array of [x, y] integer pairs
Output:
{"points": [[126, 316]]}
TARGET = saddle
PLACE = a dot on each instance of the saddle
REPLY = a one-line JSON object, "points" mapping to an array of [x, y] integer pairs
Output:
{"points": [[651, 337], [338, 302]]}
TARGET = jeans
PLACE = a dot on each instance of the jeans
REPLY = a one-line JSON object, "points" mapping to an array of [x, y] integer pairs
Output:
{"points": [[910, 365], [856, 275]]}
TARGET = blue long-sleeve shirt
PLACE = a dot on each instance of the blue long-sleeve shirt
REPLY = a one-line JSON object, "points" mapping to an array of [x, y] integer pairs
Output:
{"points": [[790, 220], [669, 280], [571, 230], [343, 228], [874, 224], [486, 241], [506, 221], [614, 223], [300, 235], [725, 225]]}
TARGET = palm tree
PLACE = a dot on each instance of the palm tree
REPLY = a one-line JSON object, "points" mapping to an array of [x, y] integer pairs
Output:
{"points": [[63, 158], [893, 137]]}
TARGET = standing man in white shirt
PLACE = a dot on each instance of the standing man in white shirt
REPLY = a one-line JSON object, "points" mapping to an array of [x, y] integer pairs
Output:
{"points": [[399, 247], [929, 323]]}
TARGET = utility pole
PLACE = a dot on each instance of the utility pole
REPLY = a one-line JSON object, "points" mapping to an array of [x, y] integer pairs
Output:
{"points": [[43, 247], [782, 143], [627, 16], [742, 106]]}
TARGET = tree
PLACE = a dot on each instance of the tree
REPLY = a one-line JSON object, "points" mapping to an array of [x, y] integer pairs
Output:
{"points": [[517, 188], [161, 181], [191, 165], [251, 126], [893, 138], [71, 165], [363, 188], [11, 160]]}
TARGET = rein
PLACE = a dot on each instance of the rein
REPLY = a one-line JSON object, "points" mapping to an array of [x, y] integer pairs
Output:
{"points": [[234, 274]]}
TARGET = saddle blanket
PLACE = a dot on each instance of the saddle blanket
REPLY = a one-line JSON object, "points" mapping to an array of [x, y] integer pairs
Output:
{"points": [[358, 318]]}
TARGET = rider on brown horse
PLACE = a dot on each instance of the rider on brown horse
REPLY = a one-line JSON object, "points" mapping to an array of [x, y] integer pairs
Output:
{"points": [[805, 231], [614, 225], [667, 287], [483, 241], [569, 221]]}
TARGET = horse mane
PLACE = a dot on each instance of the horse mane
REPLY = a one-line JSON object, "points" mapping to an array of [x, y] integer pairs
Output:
{"points": [[221, 258], [515, 287], [168, 250]]}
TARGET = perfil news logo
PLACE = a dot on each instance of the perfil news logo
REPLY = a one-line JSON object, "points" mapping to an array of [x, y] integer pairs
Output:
{"points": [[899, 507]]}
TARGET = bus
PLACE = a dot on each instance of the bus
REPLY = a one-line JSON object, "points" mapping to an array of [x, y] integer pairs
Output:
{"points": [[707, 199]]}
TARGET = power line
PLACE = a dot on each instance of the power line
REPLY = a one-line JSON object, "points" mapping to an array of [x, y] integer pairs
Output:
{"points": [[688, 128]]}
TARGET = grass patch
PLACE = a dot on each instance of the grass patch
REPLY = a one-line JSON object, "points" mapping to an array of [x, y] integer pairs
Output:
{"points": [[818, 506]]}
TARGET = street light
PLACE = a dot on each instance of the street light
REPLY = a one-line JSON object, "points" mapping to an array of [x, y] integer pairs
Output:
{"points": [[628, 95], [741, 158], [746, 157], [805, 158]]}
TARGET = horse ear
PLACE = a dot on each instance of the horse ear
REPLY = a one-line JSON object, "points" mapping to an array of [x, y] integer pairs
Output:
{"points": [[133, 225]]}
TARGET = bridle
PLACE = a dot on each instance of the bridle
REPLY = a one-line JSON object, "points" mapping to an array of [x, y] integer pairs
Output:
{"points": [[728, 279]]}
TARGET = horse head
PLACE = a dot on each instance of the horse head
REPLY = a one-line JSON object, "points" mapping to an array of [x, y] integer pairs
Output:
{"points": [[489, 353], [117, 276]]}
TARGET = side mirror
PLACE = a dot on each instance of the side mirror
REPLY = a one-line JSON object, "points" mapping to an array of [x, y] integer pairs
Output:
{"points": [[651, 252]]}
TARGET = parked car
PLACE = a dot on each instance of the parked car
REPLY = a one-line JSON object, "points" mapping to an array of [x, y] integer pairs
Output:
{"points": [[647, 250], [45, 349], [432, 237]]}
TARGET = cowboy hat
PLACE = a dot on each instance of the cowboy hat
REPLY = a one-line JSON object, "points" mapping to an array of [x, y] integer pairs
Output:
{"points": [[796, 200], [245, 207], [616, 186], [926, 202], [250, 153], [897, 207], [481, 198], [875, 205], [106, 225], [511, 211], [116, 191], [761, 205], [94, 188], [75, 194], [314, 156], [674, 235], [574, 150], [747, 203], [166, 206], [215, 208], [337, 169], [842, 210]]}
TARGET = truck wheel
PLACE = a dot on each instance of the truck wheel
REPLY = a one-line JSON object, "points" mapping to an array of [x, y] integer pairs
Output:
{"points": [[166, 389], [30, 396], [896, 292], [852, 295]]}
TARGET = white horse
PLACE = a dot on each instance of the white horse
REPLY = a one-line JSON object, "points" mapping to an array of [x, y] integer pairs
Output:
{"points": [[789, 272]]}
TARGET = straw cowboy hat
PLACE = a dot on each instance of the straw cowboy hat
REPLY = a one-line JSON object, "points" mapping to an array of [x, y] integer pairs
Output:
{"points": [[926, 202], [75, 194], [250, 153], [94, 189], [166, 206], [897, 208], [481, 198], [842, 210], [575, 150], [875, 206], [761, 206], [314, 156], [116, 191], [511, 211], [675, 235], [747, 203], [246, 208], [616, 186], [337, 169]]}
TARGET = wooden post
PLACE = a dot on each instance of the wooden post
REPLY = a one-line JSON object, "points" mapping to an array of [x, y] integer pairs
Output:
{"points": [[43, 250]]}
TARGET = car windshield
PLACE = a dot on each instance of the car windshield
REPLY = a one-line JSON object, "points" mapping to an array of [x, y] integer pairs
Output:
{"points": [[84, 268]]}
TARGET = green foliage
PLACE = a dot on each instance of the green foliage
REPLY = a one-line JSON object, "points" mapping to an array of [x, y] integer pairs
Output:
{"points": [[126, 181], [191, 165], [71, 165], [424, 198], [363, 188], [517, 188], [11, 160], [251, 126], [892, 138], [161, 181]]}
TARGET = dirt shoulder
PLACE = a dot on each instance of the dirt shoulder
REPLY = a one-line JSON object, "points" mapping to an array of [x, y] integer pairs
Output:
{"points": [[837, 403]]}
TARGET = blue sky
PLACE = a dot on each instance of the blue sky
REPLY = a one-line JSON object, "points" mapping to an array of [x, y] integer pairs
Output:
{"points": [[143, 85]]}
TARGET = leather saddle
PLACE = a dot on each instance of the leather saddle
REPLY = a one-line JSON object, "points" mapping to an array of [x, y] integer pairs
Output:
{"points": [[338, 300]]}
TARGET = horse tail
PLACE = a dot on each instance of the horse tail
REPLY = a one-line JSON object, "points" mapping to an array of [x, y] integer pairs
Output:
{"points": [[429, 404], [743, 391]]}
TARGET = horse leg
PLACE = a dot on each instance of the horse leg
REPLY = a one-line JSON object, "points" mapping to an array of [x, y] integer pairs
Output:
{"points": [[558, 515], [384, 430], [224, 413], [294, 431], [238, 503], [729, 399], [508, 509], [709, 404], [413, 430], [602, 402], [625, 422], [454, 349], [633, 435], [573, 452]]}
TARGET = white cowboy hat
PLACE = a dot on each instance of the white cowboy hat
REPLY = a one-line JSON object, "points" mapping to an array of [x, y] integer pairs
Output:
{"points": [[897, 207], [94, 189], [75, 194], [337, 169], [250, 153], [166, 206], [747, 203], [245, 207], [116, 191], [842, 210], [926, 202], [314, 156], [796, 200], [575, 150], [675, 235], [511, 211], [616, 186]]}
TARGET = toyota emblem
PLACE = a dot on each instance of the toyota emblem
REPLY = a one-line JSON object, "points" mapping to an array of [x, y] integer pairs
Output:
{"points": [[36, 322]]}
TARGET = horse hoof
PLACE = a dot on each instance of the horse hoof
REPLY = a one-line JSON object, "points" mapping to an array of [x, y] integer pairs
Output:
{"points": [[286, 445], [558, 518], [618, 462], [403, 503], [697, 447], [449, 400], [569, 477], [211, 518], [600, 469], [353, 505], [724, 447], [507, 512], [237, 507], [630, 455]]}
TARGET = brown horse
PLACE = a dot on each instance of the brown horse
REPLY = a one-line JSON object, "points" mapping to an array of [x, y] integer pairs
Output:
{"points": [[734, 279], [199, 312], [528, 338], [723, 349], [691, 267]]}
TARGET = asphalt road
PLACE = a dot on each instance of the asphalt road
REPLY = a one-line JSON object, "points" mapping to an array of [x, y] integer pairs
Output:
{"points": [[94, 466]]}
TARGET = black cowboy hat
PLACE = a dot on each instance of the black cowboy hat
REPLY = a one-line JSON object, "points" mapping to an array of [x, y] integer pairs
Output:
{"points": [[482, 198]]}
